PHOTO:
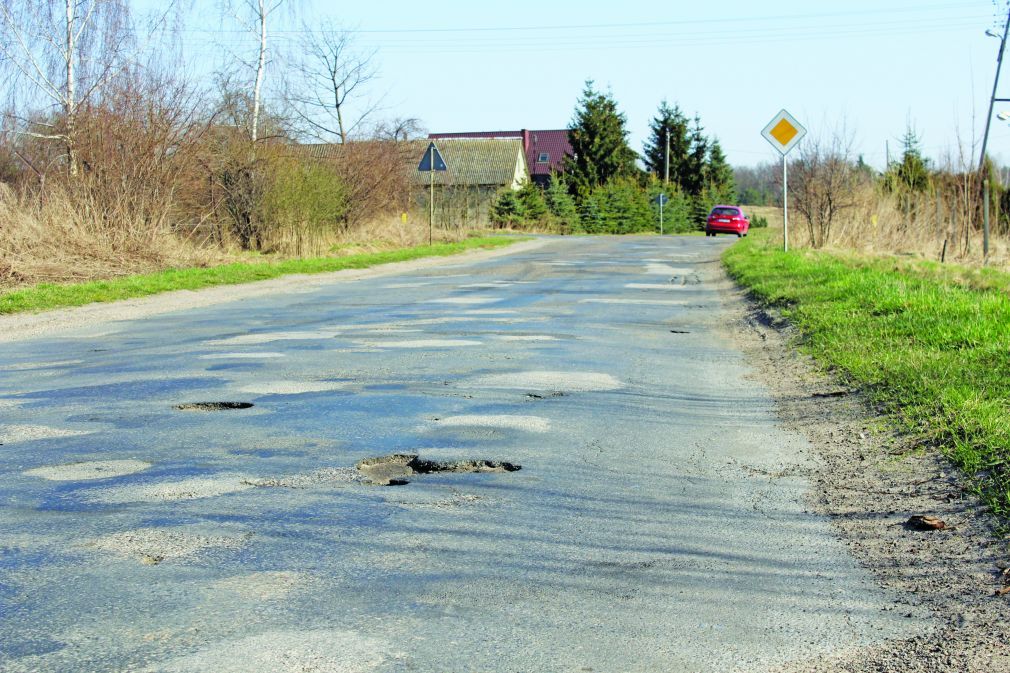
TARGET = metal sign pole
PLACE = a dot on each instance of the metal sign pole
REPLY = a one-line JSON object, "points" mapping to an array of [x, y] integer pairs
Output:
{"points": [[431, 195], [785, 204], [661, 217], [783, 132]]}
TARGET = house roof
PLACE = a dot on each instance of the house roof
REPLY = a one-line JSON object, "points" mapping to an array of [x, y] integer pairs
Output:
{"points": [[474, 161], [553, 142], [493, 162]]}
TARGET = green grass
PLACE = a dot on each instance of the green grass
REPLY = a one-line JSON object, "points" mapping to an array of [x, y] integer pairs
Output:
{"points": [[49, 296], [929, 343]]}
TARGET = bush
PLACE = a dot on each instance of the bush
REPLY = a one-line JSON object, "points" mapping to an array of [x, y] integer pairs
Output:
{"points": [[758, 222], [507, 208], [303, 196]]}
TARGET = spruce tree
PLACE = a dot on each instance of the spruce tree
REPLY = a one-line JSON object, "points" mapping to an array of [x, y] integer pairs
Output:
{"points": [[599, 139], [673, 123], [561, 205], [695, 177], [719, 174], [507, 208], [531, 199]]}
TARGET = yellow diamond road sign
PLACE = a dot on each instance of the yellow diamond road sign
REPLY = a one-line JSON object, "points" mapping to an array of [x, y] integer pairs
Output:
{"points": [[784, 132]]}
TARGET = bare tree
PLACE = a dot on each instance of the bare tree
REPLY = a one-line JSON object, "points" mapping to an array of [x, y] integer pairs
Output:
{"points": [[255, 15], [331, 71], [399, 129], [824, 182], [57, 55]]}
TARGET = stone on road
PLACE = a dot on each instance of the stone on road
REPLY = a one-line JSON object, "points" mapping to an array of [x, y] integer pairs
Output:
{"points": [[657, 523]]}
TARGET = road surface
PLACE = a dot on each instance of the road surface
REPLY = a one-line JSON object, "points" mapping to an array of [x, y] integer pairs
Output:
{"points": [[658, 521]]}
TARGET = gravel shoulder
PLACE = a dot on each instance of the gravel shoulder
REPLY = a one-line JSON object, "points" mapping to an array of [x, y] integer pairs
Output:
{"points": [[18, 327], [870, 480]]}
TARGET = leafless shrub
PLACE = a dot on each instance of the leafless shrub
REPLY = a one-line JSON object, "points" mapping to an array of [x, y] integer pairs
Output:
{"points": [[824, 183]]}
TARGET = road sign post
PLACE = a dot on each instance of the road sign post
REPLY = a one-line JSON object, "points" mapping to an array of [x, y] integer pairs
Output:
{"points": [[661, 200], [783, 133], [431, 161]]}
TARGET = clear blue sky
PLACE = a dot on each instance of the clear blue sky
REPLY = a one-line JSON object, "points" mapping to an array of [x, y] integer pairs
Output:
{"points": [[873, 65]]}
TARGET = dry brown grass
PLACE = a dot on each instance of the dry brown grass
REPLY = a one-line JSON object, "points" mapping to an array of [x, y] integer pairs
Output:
{"points": [[63, 237], [888, 225], [380, 233]]}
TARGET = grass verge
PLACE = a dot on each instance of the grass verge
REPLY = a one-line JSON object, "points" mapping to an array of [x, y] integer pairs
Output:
{"points": [[50, 296], [931, 348]]}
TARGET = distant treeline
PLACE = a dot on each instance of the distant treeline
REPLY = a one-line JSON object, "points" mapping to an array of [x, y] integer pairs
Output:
{"points": [[603, 189]]}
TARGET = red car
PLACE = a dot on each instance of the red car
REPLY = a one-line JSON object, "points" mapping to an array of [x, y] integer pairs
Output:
{"points": [[727, 220]]}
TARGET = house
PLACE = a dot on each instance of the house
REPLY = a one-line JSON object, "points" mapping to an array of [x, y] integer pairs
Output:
{"points": [[481, 163], [476, 169], [545, 150]]}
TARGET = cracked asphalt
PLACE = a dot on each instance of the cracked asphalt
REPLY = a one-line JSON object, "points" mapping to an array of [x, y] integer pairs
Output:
{"points": [[658, 521]]}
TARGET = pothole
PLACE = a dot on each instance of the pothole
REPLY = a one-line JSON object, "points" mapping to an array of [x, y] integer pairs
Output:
{"points": [[213, 406], [544, 396], [392, 470]]}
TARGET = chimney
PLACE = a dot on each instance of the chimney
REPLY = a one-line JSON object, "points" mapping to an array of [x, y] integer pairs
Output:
{"points": [[526, 140]]}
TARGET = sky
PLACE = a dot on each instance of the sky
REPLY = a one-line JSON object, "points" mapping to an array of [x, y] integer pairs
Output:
{"points": [[870, 67]]}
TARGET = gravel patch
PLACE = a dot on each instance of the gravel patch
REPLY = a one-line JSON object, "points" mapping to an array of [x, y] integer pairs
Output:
{"points": [[551, 381], [26, 433], [633, 302], [167, 491], [317, 651], [653, 286], [291, 387], [322, 477], [526, 337], [502, 422], [656, 269], [264, 585], [242, 356], [464, 300], [421, 343], [88, 470], [268, 337], [24, 366], [154, 545]]}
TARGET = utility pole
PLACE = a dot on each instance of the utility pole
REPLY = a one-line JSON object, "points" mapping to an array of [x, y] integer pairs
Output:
{"points": [[666, 170], [985, 137], [431, 194]]}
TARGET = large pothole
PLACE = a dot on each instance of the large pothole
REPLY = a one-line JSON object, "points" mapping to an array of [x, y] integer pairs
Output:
{"points": [[393, 470], [213, 406]]}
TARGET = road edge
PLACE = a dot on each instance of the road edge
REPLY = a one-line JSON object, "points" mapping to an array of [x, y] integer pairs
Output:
{"points": [[24, 326], [871, 480]]}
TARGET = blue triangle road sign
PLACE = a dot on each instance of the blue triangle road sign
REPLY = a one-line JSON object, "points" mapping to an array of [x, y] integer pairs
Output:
{"points": [[431, 156]]}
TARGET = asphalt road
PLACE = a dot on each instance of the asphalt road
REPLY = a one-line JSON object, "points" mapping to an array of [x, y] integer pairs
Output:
{"points": [[658, 522]]}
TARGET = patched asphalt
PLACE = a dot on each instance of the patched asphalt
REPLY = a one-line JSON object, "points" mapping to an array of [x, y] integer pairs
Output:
{"points": [[151, 520]]}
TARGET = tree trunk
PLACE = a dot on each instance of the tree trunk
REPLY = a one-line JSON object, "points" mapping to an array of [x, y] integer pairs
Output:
{"points": [[260, 67], [70, 103]]}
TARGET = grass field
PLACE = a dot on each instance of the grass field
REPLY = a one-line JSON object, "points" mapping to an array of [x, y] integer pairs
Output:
{"points": [[931, 344], [50, 296]]}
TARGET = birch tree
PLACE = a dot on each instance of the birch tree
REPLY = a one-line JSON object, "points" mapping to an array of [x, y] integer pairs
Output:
{"points": [[56, 56], [255, 16]]}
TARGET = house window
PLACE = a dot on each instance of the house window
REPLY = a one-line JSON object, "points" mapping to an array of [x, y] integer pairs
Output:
{"points": [[544, 158]]}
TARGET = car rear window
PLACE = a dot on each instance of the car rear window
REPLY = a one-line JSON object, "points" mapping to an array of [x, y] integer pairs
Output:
{"points": [[732, 212]]}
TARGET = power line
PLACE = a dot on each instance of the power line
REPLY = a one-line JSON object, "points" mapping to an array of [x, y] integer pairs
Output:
{"points": [[918, 7]]}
